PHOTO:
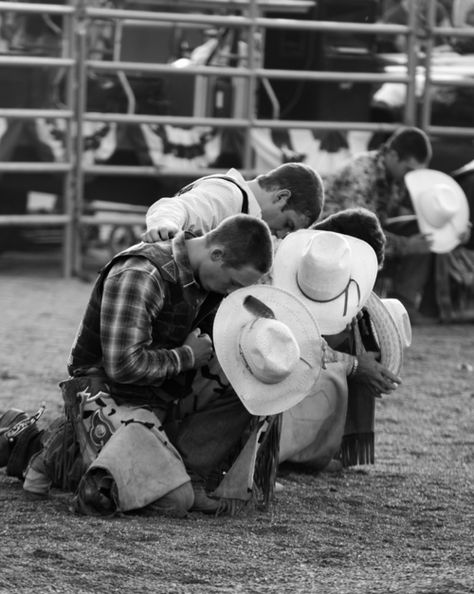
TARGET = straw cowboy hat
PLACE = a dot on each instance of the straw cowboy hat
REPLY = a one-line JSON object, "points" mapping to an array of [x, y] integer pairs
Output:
{"points": [[269, 347], [332, 273], [392, 329], [401, 318], [441, 207]]}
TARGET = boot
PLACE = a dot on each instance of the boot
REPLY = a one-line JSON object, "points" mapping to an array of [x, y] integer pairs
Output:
{"points": [[7, 422], [202, 502], [19, 440]]}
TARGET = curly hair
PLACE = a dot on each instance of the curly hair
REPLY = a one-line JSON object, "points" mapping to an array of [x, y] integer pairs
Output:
{"points": [[409, 141], [357, 222]]}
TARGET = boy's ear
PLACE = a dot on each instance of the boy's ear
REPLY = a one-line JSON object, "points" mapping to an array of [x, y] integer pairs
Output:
{"points": [[281, 196], [217, 253], [393, 153]]}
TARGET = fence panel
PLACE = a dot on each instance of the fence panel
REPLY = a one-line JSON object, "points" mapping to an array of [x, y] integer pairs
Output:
{"points": [[89, 131]]}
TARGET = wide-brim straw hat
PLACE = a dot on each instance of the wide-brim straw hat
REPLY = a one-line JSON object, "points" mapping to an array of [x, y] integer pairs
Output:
{"points": [[441, 207], [391, 328], [272, 364], [400, 315], [332, 273]]}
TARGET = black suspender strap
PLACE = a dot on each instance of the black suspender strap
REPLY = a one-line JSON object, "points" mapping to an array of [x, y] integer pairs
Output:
{"points": [[245, 198]]}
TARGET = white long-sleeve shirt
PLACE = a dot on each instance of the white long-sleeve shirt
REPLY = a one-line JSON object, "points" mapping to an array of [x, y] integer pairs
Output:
{"points": [[203, 207]]}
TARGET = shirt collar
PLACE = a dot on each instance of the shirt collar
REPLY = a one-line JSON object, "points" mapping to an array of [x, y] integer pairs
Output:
{"points": [[254, 206], [181, 258]]}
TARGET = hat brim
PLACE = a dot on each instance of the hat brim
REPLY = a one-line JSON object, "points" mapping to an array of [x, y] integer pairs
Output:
{"points": [[446, 238], [257, 397], [386, 334], [400, 315], [329, 315]]}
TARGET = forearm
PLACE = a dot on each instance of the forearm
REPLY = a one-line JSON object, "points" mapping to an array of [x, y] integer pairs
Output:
{"points": [[147, 365], [131, 302], [166, 209], [350, 362], [396, 245], [365, 369], [199, 210]]}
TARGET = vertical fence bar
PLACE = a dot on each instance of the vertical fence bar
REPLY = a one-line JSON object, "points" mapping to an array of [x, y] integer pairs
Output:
{"points": [[80, 109], [427, 87], [69, 233], [248, 160], [412, 64]]}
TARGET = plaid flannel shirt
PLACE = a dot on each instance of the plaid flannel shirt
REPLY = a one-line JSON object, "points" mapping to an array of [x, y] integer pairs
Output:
{"points": [[133, 297]]}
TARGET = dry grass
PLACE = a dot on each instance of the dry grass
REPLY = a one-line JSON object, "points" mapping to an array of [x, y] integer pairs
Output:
{"points": [[404, 525]]}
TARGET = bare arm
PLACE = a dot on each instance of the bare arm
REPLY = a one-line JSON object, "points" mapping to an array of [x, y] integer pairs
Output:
{"points": [[367, 370]]}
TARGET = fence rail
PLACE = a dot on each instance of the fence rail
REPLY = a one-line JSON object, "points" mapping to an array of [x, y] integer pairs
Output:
{"points": [[75, 61]]}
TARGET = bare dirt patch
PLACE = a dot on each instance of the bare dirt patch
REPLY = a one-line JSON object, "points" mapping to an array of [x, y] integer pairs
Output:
{"points": [[404, 525]]}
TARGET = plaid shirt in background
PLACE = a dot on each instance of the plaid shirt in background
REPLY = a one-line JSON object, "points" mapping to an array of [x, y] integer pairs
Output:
{"points": [[132, 299], [363, 183]]}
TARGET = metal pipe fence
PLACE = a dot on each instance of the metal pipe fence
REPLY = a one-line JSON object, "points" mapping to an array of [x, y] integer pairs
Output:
{"points": [[78, 65]]}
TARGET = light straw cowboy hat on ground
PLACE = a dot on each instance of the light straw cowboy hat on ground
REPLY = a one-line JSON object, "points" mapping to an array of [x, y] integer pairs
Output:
{"points": [[269, 347], [392, 329], [441, 207], [332, 273]]}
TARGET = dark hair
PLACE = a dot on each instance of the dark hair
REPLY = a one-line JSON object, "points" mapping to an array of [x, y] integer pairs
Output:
{"points": [[410, 142], [305, 185], [246, 240], [357, 222]]}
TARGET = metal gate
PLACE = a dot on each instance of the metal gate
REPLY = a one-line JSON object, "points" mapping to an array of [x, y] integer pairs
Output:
{"points": [[251, 19]]}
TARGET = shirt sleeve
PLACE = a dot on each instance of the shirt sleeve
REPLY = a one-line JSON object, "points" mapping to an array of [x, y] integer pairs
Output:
{"points": [[347, 189], [200, 209], [396, 245], [132, 299]]}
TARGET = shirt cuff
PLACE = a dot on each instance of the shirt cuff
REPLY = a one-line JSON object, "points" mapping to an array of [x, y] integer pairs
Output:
{"points": [[185, 357]]}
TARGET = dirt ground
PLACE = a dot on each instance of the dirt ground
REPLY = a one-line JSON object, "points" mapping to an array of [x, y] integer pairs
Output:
{"points": [[404, 525]]}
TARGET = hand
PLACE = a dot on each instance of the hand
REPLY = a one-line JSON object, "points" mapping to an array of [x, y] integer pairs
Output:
{"points": [[355, 320], [465, 236], [161, 233], [378, 379], [201, 345], [419, 243]]}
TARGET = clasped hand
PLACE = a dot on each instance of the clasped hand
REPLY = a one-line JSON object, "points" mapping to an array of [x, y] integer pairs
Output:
{"points": [[201, 345], [378, 379]]}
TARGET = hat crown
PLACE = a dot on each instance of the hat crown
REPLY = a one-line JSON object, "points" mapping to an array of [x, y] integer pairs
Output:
{"points": [[324, 271], [439, 204], [269, 350]]}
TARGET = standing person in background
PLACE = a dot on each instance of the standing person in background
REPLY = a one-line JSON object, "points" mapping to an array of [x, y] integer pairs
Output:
{"points": [[398, 14], [375, 180], [287, 198], [464, 12]]}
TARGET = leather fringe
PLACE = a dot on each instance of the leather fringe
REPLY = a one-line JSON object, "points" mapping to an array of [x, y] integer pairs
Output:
{"points": [[230, 507], [357, 449], [266, 465]]}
